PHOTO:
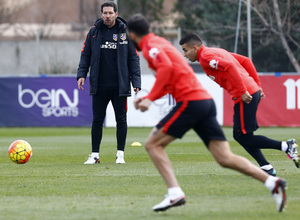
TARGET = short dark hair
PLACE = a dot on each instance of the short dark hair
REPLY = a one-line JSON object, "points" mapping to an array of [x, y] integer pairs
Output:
{"points": [[190, 38], [138, 24], [109, 4]]}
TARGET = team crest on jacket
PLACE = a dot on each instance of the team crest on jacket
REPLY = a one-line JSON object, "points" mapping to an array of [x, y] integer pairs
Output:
{"points": [[123, 36], [115, 37], [214, 64], [153, 53]]}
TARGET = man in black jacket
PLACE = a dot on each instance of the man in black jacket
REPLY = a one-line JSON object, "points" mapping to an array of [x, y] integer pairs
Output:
{"points": [[114, 64]]}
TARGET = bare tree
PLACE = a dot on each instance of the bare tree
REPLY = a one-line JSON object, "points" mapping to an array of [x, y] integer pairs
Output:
{"points": [[5, 15], [284, 34], [275, 20], [48, 14], [8, 10]]}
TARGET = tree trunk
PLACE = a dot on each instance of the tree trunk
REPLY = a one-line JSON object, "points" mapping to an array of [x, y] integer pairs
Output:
{"points": [[283, 39]]}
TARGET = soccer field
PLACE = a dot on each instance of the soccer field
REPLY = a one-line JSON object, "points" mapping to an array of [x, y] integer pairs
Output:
{"points": [[55, 184]]}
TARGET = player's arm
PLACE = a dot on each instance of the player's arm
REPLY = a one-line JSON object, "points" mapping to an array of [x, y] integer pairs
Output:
{"points": [[164, 68], [85, 58], [248, 66]]}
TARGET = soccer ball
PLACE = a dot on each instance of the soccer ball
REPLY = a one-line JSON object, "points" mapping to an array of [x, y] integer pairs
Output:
{"points": [[20, 151]]}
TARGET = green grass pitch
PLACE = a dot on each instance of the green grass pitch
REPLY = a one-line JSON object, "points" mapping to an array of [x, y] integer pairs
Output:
{"points": [[55, 184]]}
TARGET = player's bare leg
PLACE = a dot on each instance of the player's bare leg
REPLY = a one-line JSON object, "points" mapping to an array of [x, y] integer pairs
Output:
{"points": [[223, 155], [155, 145]]}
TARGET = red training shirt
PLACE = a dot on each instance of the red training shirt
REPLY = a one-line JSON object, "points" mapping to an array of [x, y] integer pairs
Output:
{"points": [[173, 73], [235, 73]]}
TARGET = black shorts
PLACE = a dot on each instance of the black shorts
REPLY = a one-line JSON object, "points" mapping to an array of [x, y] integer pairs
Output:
{"points": [[197, 115], [244, 119]]}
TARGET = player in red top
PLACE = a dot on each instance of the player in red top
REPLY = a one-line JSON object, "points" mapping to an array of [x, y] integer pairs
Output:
{"points": [[195, 109], [237, 75]]}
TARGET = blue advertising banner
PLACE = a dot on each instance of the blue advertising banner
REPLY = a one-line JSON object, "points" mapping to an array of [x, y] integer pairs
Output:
{"points": [[55, 101], [44, 101]]}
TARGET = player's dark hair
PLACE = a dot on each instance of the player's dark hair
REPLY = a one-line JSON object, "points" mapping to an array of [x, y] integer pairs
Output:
{"points": [[138, 24], [190, 38], [109, 4]]}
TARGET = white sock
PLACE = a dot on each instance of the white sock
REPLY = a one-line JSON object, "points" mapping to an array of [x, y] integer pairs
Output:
{"points": [[266, 167], [284, 146], [175, 191], [270, 182], [120, 152], [95, 154]]}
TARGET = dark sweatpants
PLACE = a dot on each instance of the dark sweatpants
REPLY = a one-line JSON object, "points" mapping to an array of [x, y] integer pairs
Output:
{"points": [[100, 102]]}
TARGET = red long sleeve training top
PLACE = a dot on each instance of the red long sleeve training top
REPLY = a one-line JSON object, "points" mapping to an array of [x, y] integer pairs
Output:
{"points": [[173, 73], [235, 73]]}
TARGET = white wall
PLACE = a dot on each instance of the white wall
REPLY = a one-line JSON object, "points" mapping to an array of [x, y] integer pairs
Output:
{"points": [[20, 57], [162, 106]]}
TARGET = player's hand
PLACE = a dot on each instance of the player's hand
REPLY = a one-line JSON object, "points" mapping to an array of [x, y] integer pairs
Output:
{"points": [[136, 90], [262, 94], [80, 83], [143, 104], [246, 97], [136, 102]]}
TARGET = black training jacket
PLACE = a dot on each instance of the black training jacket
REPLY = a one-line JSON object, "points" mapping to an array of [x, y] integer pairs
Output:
{"points": [[127, 59]]}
